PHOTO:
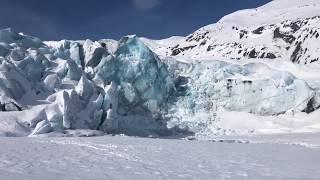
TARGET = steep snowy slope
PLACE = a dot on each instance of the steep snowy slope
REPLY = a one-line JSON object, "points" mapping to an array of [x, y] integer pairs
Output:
{"points": [[283, 29]]}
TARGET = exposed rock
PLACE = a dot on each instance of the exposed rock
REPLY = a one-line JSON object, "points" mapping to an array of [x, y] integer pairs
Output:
{"points": [[258, 31]]}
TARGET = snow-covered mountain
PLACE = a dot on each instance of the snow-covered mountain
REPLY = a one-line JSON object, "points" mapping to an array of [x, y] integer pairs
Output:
{"points": [[282, 29], [192, 85]]}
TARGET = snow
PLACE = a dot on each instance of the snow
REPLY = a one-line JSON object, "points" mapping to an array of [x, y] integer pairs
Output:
{"points": [[286, 30], [162, 45], [258, 157], [274, 12], [244, 123]]}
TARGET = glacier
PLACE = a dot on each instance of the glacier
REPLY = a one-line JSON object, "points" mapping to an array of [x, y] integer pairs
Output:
{"points": [[204, 87], [216, 104], [124, 87]]}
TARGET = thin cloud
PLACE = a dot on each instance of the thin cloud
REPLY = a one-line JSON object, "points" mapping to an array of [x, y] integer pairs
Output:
{"points": [[146, 4]]}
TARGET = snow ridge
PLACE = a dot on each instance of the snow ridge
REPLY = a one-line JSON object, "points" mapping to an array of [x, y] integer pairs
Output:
{"points": [[286, 30]]}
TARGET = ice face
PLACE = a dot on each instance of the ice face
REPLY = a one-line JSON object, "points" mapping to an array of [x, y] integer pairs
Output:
{"points": [[52, 82], [93, 53], [12, 83], [85, 89], [128, 88], [212, 85], [76, 53], [144, 80]]}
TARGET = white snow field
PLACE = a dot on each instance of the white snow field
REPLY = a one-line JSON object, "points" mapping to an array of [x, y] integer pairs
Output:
{"points": [[292, 157]]}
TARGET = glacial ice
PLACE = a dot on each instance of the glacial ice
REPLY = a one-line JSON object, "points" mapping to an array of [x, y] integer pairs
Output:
{"points": [[204, 87], [7, 36], [93, 52], [144, 80], [42, 127], [51, 82], [84, 85]]}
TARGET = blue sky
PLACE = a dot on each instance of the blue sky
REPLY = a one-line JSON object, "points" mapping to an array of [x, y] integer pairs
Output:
{"points": [[97, 19]]}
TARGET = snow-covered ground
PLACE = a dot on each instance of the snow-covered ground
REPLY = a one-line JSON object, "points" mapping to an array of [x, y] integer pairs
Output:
{"points": [[99, 158]]}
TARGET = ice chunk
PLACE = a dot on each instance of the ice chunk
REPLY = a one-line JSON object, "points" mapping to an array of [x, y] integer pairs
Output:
{"points": [[111, 96], [78, 113], [69, 106], [11, 106], [109, 44], [93, 53], [75, 53], [66, 110], [12, 83], [54, 116], [110, 123], [85, 89], [16, 54], [52, 82], [144, 80], [73, 71], [92, 114], [42, 128], [105, 72]]}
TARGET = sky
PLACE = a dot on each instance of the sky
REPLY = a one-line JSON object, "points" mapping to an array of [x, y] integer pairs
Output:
{"points": [[101, 19]]}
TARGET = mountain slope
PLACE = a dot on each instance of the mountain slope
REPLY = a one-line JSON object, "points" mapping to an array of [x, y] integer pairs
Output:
{"points": [[282, 29]]}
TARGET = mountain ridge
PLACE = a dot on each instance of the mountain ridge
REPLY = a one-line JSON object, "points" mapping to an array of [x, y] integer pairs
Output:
{"points": [[281, 29]]}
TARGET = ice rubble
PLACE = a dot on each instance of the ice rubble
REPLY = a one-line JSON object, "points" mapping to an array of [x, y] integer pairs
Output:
{"points": [[85, 85], [205, 87]]}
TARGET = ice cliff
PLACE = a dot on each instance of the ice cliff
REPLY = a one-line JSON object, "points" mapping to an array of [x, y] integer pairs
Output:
{"points": [[124, 87]]}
